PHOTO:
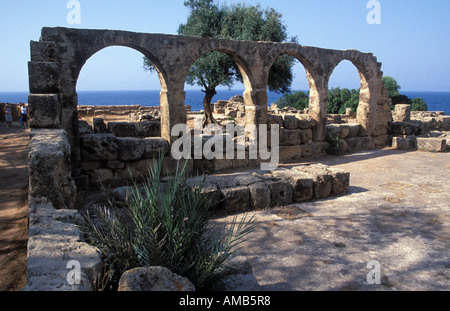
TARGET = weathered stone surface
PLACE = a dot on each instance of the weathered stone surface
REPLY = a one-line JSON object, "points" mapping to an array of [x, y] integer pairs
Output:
{"points": [[382, 140], [401, 113], [54, 240], [305, 121], [137, 129], [281, 192], [43, 77], [44, 111], [306, 135], [99, 125], [130, 149], [404, 143], [431, 144], [236, 199], [153, 279], [290, 137], [85, 128], [155, 146], [49, 168], [341, 182], [148, 129], [290, 122], [354, 144], [353, 130], [101, 147], [322, 179], [301, 182], [260, 195], [102, 176], [287, 153]]}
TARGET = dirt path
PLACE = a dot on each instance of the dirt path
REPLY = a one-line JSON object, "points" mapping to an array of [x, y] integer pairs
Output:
{"points": [[13, 206]]}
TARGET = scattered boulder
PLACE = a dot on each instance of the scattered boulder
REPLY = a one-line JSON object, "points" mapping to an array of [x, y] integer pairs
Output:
{"points": [[153, 279]]}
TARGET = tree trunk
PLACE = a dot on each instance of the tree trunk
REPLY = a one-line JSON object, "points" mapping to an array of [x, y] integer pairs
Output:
{"points": [[209, 118]]}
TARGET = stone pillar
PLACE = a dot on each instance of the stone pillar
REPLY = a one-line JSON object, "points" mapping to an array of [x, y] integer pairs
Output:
{"points": [[318, 100], [256, 106], [173, 112], [366, 113]]}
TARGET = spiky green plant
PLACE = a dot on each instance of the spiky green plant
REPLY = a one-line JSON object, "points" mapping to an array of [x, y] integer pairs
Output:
{"points": [[166, 224]]}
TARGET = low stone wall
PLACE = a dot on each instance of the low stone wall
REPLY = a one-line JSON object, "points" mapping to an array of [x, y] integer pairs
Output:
{"points": [[54, 240], [248, 191]]}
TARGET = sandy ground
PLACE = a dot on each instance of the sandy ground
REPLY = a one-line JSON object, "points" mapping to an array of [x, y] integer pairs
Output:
{"points": [[13, 206]]}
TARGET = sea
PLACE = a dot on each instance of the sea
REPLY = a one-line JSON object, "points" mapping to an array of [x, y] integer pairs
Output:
{"points": [[436, 101]]}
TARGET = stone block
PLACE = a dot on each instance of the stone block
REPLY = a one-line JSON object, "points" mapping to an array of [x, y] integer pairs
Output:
{"points": [[301, 182], [306, 135], [341, 182], [281, 193], [236, 200], [307, 151], [290, 122], [382, 140], [44, 111], [259, 195], [148, 129], [431, 144], [290, 137], [353, 130], [122, 129], [367, 143], [99, 125], [102, 176], [130, 149], [305, 121], [153, 279], [154, 147], [99, 147], [43, 77], [49, 168], [287, 153], [404, 143], [354, 144], [401, 113], [322, 179], [320, 148]]}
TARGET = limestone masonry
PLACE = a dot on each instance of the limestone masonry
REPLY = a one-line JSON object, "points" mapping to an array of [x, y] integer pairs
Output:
{"points": [[68, 155]]}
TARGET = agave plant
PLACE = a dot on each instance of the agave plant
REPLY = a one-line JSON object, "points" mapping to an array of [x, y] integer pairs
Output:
{"points": [[166, 224]]}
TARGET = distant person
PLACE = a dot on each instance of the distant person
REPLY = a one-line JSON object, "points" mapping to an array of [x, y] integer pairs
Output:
{"points": [[24, 115], [8, 115]]}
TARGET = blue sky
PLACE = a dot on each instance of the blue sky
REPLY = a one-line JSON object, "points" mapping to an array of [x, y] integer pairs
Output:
{"points": [[412, 41]]}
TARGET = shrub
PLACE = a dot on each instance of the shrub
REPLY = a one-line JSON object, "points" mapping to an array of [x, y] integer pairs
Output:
{"points": [[165, 226]]}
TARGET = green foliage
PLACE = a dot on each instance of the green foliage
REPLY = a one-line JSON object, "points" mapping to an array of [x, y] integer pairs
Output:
{"points": [[238, 22], [391, 86], [400, 99], [418, 104], [341, 99], [298, 100], [165, 225]]}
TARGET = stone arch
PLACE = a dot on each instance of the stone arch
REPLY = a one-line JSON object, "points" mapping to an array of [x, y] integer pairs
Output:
{"points": [[367, 69], [318, 87], [158, 67]]}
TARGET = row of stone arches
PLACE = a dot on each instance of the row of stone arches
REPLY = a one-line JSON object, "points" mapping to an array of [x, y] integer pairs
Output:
{"points": [[58, 58]]}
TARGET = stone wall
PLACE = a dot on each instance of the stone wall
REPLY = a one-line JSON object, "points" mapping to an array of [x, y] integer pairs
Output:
{"points": [[53, 236]]}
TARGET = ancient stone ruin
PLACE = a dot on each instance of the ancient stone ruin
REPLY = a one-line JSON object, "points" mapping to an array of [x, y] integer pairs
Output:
{"points": [[68, 155]]}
